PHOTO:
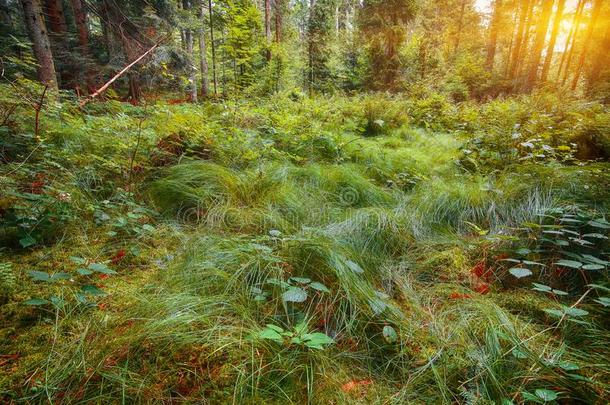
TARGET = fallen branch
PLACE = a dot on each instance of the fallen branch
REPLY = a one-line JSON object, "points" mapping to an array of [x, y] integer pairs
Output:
{"points": [[125, 69]]}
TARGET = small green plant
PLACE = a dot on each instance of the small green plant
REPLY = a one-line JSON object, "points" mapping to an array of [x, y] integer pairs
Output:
{"points": [[299, 336]]}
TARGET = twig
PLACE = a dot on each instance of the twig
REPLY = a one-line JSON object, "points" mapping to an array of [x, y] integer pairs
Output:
{"points": [[125, 69]]}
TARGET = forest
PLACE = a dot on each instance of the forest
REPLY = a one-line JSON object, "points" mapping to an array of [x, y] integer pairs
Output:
{"points": [[305, 202]]}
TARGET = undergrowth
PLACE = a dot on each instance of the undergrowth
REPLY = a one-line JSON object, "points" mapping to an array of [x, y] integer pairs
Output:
{"points": [[343, 250]]}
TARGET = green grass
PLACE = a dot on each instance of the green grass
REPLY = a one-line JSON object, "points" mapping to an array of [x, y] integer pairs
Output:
{"points": [[291, 194]]}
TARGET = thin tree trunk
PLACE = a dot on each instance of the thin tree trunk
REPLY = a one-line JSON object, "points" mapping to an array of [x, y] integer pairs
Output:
{"points": [[583, 54], [268, 29], [513, 36], [55, 16], [526, 38], [571, 36], [278, 20], [542, 27], [203, 57], [493, 35], [80, 19], [458, 35], [550, 50], [213, 47], [188, 39], [514, 60], [602, 60], [34, 22]]}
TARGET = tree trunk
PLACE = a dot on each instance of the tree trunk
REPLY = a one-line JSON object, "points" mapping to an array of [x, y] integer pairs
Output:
{"points": [[583, 54], [203, 57], [268, 29], [514, 60], [542, 27], [132, 41], [550, 50], [213, 47], [458, 35], [37, 31], [278, 20], [493, 35], [571, 37], [55, 16], [601, 61], [80, 20], [188, 39]]}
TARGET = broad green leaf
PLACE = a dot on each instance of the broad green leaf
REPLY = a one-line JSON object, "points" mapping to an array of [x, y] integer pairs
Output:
{"points": [[355, 267], [520, 272], [101, 268], [389, 333], [36, 301], [569, 263], [541, 287], [93, 290], [317, 340], [294, 294], [377, 305], [531, 263], [595, 260], [271, 335], [300, 280], [39, 275], [559, 292], [275, 328], [575, 311], [593, 267], [84, 272], [27, 241], [554, 312], [319, 286], [568, 366], [546, 395], [78, 260], [60, 276]]}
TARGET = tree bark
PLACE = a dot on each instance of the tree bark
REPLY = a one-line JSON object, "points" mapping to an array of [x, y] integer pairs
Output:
{"points": [[542, 27], [550, 50], [80, 20], [583, 54], [268, 29], [514, 60], [602, 60], [458, 35], [493, 35], [37, 31], [213, 47], [278, 20], [55, 16], [203, 57], [569, 48], [189, 40]]}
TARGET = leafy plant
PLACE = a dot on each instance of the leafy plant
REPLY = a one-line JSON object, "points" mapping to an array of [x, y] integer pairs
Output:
{"points": [[298, 336]]}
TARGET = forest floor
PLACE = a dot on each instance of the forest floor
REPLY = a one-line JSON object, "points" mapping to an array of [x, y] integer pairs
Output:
{"points": [[341, 250]]}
